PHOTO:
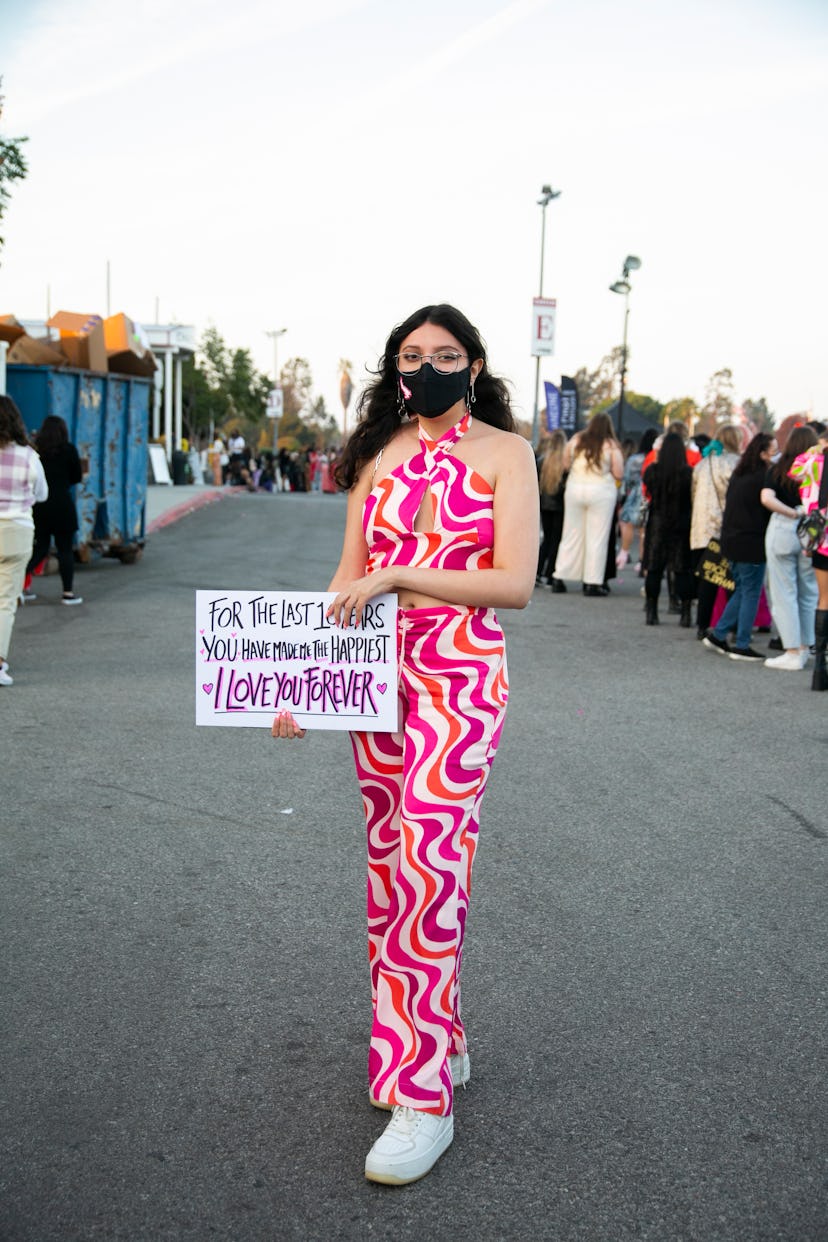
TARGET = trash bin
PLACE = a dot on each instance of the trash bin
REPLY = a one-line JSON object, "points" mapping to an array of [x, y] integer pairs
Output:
{"points": [[107, 417], [179, 467]]}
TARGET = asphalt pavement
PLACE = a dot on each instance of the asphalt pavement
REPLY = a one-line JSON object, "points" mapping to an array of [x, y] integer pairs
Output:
{"points": [[185, 997]]}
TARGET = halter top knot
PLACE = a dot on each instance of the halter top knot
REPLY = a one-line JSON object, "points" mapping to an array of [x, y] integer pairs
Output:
{"points": [[462, 534]]}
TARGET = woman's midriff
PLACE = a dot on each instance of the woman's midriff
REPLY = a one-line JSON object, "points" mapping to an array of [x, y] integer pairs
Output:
{"points": [[413, 599]]}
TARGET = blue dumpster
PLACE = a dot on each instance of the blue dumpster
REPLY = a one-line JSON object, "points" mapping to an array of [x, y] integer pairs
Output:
{"points": [[108, 420]]}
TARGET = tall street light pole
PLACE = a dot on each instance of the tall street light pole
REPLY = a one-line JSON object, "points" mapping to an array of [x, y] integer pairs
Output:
{"points": [[547, 194], [631, 264], [274, 336]]}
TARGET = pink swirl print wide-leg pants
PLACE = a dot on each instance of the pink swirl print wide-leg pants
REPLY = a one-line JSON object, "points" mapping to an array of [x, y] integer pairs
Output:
{"points": [[421, 791]]}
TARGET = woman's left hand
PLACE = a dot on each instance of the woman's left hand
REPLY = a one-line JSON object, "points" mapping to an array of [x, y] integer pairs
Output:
{"points": [[350, 602]]}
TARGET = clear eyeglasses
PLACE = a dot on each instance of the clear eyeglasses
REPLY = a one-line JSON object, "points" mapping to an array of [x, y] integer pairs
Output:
{"points": [[446, 361]]}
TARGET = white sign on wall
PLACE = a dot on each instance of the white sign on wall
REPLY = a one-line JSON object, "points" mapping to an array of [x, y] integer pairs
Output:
{"points": [[260, 652], [543, 326]]}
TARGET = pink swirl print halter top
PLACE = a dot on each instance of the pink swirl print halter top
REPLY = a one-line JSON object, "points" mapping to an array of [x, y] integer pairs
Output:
{"points": [[462, 534]]}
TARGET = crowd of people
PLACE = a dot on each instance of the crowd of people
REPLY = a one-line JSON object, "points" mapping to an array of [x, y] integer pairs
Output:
{"points": [[234, 464], [715, 518]]}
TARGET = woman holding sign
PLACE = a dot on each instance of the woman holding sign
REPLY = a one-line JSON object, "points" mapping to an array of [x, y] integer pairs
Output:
{"points": [[443, 512]]}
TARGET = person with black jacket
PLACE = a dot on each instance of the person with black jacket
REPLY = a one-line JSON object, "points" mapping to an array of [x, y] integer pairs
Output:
{"points": [[667, 542], [743, 543], [57, 518]]}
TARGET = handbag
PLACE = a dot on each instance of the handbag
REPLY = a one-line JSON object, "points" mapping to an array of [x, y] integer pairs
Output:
{"points": [[714, 567], [810, 529]]}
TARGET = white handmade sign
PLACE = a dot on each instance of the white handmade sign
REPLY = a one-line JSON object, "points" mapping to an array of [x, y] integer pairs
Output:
{"points": [[260, 652]]}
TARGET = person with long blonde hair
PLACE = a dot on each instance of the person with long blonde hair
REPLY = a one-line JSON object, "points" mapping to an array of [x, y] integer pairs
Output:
{"points": [[596, 466], [551, 481]]}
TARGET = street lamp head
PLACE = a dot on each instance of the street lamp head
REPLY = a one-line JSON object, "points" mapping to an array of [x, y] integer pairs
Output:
{"points": [[620, 286], [631, 264], [547, 194]]}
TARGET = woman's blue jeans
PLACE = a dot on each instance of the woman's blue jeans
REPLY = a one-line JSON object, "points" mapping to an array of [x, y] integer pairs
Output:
{"points": [[741, 607]]}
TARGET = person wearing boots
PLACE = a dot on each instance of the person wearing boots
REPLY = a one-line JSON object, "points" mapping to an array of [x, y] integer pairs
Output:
{"points": [[810, 471], [667, 542]]}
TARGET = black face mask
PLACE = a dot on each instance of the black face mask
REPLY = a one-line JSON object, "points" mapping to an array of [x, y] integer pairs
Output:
{"points": [[430, 393]]}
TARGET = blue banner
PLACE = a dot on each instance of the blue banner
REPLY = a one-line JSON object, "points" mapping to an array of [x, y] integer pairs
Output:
{"points": [[569, 405], [553, 406]]}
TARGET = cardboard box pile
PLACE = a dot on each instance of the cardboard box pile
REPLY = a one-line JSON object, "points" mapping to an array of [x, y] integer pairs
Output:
{"points": [[81, 340]]}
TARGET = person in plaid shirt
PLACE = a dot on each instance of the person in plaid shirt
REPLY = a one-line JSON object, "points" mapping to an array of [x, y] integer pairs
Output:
{"points": [[22, 484]]}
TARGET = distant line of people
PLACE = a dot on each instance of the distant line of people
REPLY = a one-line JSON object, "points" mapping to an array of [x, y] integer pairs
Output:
{"points": [[235, 465], [685, 501]]}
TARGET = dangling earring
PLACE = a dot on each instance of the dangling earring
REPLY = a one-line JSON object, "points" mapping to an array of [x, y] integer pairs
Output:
{"points": [[471, 398], [401, 410]]}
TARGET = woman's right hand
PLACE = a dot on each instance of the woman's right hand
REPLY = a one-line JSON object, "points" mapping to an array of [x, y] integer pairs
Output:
{"points": [[285, 726]]}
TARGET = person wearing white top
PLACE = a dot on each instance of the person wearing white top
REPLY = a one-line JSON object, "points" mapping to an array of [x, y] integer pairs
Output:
{"points": [[22, 485], [596, 466]]}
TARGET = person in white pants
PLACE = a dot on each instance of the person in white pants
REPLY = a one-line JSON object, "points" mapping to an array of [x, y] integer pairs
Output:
{"points": [[792, 584], [595, 463]]}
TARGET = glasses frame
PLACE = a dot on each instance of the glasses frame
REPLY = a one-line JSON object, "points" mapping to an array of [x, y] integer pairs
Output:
{"points": [[430, 358]]}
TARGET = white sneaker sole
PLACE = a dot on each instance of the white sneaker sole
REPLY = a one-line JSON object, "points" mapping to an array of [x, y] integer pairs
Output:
{"points": [[400, 1172], [460, 1075]]}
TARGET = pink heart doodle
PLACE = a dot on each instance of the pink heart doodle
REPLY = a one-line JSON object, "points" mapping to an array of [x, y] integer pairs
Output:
{"points": [[232, 633], [207, 687], [382, 686], [201, 631]]}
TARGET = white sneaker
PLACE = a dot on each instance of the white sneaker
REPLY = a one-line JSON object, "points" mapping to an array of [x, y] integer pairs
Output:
{"points": [[71, 599], [409, 1146], [26, 597], [6, 678], [790, 660], [460, 1067]]}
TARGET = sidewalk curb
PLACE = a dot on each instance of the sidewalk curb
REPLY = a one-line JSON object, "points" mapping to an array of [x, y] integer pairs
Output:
{"points": [[187, 506]]}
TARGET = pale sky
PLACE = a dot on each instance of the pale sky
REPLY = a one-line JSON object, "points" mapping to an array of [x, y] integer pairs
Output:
{"points": [[329, 166]]}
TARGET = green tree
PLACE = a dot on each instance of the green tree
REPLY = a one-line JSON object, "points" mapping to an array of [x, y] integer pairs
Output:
{"points": [[602, 384], [297, 384], [718, 401], [681, 410], [13, 166], [222, 390], [758, 413]]}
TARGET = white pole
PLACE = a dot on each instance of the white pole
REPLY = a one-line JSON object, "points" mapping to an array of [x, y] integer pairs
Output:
{"points": [[169, 432], [178, 402], [4, 345]]}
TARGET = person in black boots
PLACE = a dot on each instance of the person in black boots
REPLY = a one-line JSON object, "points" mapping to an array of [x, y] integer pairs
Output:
{"points": [[667, 542], [810, 471], [551, 484]]}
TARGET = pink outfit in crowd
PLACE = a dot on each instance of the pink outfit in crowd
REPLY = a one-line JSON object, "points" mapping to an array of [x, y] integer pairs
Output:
{"points": [[806, 471]]}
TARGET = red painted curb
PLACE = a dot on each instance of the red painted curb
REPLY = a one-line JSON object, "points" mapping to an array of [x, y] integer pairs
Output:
{"points": [[186, 506]]}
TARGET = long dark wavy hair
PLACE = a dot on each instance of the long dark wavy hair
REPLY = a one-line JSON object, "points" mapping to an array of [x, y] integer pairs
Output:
{"points": [[377, 410], [670, 475], [52, 436], [799, 441], [751, 460], [12, 428]]}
